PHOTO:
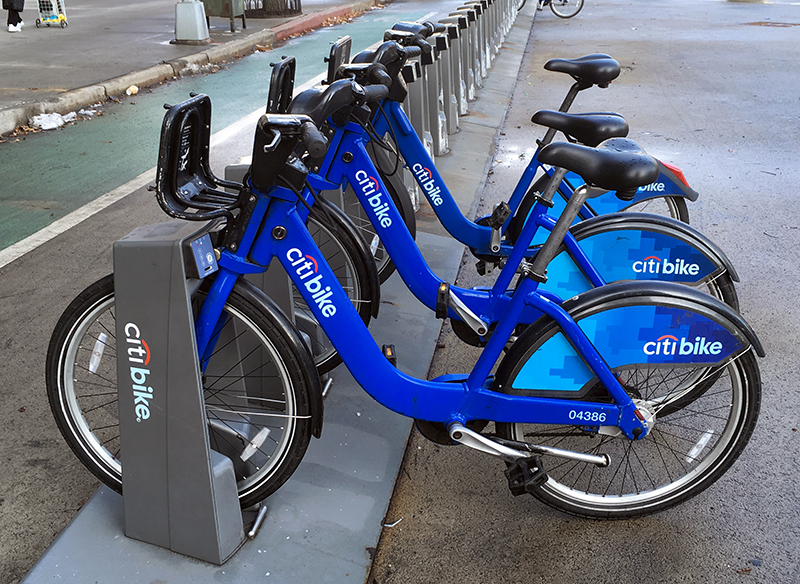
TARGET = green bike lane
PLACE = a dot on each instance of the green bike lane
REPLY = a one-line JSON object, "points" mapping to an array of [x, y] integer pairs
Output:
{"points": [[48, 175]]}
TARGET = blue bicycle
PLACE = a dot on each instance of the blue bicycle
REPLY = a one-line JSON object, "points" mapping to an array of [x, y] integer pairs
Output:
{"points": [[624, 401], [617, 247]]}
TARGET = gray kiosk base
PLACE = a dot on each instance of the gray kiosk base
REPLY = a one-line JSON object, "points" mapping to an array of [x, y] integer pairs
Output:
{"points": [[321, 522]]}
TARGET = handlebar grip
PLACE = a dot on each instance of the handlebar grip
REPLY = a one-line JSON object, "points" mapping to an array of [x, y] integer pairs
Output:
{"points": [[375, 93], [413, 52], [377, 74], [437, 27], [314, 140], [424, 45]]}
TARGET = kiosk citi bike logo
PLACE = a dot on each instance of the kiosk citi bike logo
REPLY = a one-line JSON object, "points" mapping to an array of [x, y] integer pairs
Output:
{"points": [[655, 265], [139, 354], [668, 345], [426, 181], [305, 267], [369, 187]]}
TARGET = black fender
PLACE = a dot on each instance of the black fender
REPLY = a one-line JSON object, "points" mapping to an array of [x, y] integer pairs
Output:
{"points": [[659, 223], [619, 294], [272, 311], [364, 255]]}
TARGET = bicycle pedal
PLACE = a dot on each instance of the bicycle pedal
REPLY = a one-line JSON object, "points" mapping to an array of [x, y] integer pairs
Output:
{"points": [[442, 300], [388, 352], [525, 474]]}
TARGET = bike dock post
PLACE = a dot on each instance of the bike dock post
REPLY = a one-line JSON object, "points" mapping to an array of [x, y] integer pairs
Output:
{"points": [[433, 73], [476, 78], [418, 103], [455, 27], [179, 494], [450, 83]]}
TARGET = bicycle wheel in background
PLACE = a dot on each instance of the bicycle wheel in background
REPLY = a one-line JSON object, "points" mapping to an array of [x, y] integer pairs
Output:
{"points": [[566, 8], [667, 206], [340, 248], [257, 397], [356, 212]]}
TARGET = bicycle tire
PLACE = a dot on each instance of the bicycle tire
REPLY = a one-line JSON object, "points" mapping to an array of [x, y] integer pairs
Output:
{"points": [[669, 206], [566, 8], [341, 250], [718, 421], [84, 402]]}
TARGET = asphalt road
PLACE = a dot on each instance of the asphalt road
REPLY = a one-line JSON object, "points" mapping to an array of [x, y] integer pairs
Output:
{"points": [[709, 86]]}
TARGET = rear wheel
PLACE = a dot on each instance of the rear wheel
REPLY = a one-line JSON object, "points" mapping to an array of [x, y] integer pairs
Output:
{"points": [[258, 405], [566, 8], [674, 207], [704, 417]]}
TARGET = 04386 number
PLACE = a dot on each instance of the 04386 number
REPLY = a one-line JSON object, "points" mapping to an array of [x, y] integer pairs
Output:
{"points": [[587, 416]]}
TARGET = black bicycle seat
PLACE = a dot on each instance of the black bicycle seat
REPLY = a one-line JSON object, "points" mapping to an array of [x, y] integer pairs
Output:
{"points": [[587, 128], [618, 164], [596, 69]]}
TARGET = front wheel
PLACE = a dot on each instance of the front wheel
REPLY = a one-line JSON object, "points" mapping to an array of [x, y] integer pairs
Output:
{"points": [[257, 396], [566, 8], [340, 249]]}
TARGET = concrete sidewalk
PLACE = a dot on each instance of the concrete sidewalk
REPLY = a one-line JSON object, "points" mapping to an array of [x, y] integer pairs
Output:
{"points": [[110, 45]]}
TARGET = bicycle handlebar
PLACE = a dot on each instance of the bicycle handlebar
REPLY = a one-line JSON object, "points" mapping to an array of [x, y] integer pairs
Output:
{"points": [[423, 29], [314, 141], [375, 93]]}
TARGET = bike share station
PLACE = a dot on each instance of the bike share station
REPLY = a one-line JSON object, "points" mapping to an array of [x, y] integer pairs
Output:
{"points": [[179, 519]]}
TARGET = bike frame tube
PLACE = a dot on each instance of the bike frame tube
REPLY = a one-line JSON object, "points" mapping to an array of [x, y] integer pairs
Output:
{"points": [[361, 174], [392, 119], [428, 400], [419, 163]]}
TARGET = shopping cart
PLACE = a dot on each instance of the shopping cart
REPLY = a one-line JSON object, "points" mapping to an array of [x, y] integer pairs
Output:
{"points": [[52, 12]]}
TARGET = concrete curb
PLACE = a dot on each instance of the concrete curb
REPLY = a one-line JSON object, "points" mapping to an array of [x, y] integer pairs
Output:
{"points": [[13, 117]]}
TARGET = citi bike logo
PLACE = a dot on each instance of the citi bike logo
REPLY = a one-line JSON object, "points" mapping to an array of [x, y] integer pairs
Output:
{"points": [[426, 180], [138, 354], [654, 187], [306, 267], [670, 345], [655, 265], [369, 187]]}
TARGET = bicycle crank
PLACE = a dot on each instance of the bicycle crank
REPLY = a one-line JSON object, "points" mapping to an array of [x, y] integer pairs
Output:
{"points": [[512, 451]]}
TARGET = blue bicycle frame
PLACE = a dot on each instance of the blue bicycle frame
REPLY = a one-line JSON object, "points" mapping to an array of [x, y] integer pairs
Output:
{"points": [[391, 118], [347, 162], [448, 399]]}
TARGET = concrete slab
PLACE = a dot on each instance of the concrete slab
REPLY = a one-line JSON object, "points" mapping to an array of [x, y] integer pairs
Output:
{"points": [[324, 523]]}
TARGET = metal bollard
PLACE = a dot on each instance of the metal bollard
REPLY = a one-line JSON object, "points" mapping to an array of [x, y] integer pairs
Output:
{"points": [[491, 30], [412, 74], [511, 14], [467, 74], [431, 73], [451, 79], [481, 7], [473, 45], [476, 40]]}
